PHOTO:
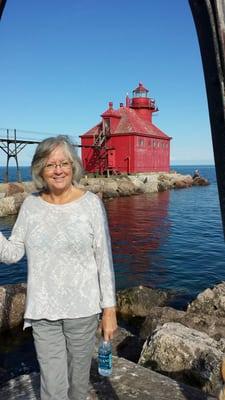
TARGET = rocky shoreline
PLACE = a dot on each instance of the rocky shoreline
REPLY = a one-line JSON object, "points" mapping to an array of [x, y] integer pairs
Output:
{"points": [[174, 347], [13, 194]]}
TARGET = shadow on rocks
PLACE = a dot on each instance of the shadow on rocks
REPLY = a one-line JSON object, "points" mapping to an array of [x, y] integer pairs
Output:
{"points": [[102, 385], [130, 348], [188, 385], [192, 393]]}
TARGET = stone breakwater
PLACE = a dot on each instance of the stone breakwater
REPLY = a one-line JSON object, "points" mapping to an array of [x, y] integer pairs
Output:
{"points": [[13, 194], [176, 355]]}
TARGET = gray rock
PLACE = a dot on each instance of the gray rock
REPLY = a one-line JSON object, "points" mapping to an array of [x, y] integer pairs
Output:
{"points": [[148, 178], [179, 181], [12, 305], [128, 381], [165, 182], [210, 302], [126, 188], [186, 355], [95, 188], [139, 185], [110, 189], [182, 184], [151, 187], [11, 205], [210, 324], [159, 316], [3, 187], [13, 188], [163, 186], [149, 182], [138, 301], [200, 182], [29, 187]]}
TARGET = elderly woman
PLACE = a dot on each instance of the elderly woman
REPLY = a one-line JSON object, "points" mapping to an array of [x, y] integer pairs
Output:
{"points": [[64, 232]]}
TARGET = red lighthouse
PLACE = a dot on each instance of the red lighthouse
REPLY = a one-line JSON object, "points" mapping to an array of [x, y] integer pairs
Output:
{"points": [[126, 140]]}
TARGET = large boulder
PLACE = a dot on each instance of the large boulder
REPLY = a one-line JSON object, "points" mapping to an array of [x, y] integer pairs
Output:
{"points": [[139, 185], [159, 316], [94, 185], [210, 302], [13, 188], [12, 305], [179, 181], [210, 324], [126, 187], [146, 183], [165, 182], [186, 355], [200, 181], [11, 205], [182, 184], [151, 182], [151, 187], [95, 188], [164, 185], [110, 189], [29, 187], [138, 301]]}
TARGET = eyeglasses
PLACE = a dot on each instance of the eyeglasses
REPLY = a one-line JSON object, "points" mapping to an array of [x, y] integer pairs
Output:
{"points": [[64, 165]]}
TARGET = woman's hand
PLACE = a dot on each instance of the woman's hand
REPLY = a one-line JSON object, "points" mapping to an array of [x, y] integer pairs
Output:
{"points": [[109, 323]]}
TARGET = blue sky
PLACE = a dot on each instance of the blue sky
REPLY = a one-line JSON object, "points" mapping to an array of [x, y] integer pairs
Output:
{"points": [[62, 62]]}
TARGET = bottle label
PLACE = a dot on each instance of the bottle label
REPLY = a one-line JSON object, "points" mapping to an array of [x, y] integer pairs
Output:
{"points": [[105, 361]]}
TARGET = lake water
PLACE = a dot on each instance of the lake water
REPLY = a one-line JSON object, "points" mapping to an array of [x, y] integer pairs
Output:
{"points": [[171, 240]]}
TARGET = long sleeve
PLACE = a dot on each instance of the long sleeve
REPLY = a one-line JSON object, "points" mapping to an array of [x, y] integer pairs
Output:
{"points": [[103, 257], [12, 249]]}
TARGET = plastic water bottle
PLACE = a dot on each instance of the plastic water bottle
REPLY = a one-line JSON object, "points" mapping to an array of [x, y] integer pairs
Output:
{"points": [[105, 358]]}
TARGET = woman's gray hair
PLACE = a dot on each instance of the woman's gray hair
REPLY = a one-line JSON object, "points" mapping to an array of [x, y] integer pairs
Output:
{"points": [[44, 150]]}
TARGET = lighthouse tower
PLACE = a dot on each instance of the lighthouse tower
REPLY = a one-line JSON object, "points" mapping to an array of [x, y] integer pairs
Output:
{"points": [[142, 104], [126, 140]]}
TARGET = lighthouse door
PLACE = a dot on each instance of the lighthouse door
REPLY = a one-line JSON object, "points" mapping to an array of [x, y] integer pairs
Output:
{"points": [[111, 159]]}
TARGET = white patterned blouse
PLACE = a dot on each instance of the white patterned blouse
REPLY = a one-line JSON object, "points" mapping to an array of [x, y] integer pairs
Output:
{"points": [[68, 248]]}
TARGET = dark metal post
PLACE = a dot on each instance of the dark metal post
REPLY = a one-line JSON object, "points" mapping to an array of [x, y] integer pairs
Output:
{"points": [[2, 5], [18, 174], [209, 18], [6, 179]]}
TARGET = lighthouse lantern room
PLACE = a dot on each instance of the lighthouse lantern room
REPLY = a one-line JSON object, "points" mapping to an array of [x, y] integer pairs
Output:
{"points": [[126, 140]]}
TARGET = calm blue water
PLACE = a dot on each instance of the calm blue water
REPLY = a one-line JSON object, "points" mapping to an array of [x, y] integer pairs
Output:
{"points": [[24, 171], [170, 240]]}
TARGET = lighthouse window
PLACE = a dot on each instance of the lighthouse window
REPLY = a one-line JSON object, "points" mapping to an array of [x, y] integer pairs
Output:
{"points": [[154, 143], [141, 142], [107, 124]]}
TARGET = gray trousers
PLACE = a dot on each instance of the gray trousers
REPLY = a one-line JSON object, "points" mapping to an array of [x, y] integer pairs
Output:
{"points": [[64, 351]]}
